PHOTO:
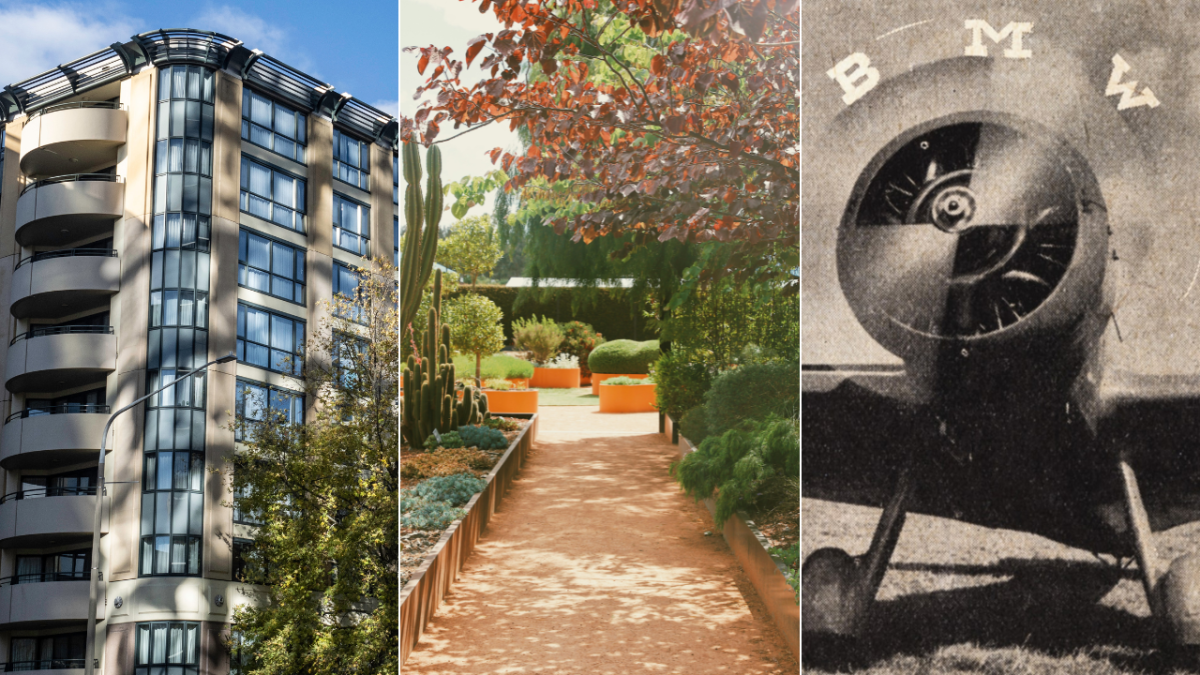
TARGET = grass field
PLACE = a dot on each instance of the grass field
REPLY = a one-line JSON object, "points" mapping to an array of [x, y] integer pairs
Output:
{"points": [[964, 599]]}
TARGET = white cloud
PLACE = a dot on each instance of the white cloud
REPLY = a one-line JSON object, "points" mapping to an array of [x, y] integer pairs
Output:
{"points": [[37, 39], [254, 32], [390, 106]]}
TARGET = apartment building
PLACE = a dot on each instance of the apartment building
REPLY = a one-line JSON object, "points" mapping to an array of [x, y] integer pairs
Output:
{"points": [[163, 202]]}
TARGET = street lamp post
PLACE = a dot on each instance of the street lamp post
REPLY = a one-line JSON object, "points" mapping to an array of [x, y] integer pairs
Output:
{"points": [[89, 650]]}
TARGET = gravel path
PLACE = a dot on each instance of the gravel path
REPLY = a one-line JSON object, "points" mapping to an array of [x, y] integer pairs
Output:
{"points": [[599, 564]]}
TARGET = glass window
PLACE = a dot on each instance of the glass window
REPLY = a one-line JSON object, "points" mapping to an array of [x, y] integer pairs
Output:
{"points": [[269, 340], [172, 512], [273, 126], [167, 648], [271, 267], [351, 225], [396, 240], [272, 195], [396, 179], [67, 566], [240, 515], [345, 284], [243, 658], [351, 160], [256, 403], [49, 652]]}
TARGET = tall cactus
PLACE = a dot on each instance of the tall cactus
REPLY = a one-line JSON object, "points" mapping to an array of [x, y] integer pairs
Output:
{"points": [[429, 397], [420, 246]]}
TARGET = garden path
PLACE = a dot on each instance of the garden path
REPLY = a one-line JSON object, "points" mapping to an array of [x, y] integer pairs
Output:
{"points": [[599, 564]]}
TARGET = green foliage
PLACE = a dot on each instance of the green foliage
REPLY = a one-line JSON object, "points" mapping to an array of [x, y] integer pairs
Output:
{"points": [[721, 318], [736, 463], [693, 426], [497, 366], [477, 331], [484, 438], [448, 440], [539, 336], [752, 392], [497, 384], [454, 490], [472, 191], [615, 312], [791, 558], [624, 357], [502, 423], [471, 249], [683, 380], [627, 381], [427, 515], [579, 339]]}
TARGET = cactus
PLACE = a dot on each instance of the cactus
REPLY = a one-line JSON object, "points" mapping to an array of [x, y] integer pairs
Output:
{"points": [[429, 397], [416, 263]]}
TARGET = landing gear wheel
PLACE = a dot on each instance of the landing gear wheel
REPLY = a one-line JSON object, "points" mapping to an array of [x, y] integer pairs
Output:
{"points": [[1179, 598], [830, 578]]}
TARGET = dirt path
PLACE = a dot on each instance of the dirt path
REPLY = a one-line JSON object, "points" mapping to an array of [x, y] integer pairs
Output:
{"points": [[599, 564]]}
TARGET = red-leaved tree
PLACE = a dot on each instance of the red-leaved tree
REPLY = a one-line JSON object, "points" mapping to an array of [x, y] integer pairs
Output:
{"points": [[668, 118]]}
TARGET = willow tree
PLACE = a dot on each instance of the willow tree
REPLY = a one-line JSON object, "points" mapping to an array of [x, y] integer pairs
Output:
{"points": [[325, 495]]}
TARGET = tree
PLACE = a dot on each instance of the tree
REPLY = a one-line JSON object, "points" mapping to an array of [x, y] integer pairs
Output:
{"points": [[325, 493], [471, 249], [665, 119], [477, 331]]}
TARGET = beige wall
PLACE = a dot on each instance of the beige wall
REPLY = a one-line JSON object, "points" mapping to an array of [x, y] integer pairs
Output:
{"points": [[382, 211]]}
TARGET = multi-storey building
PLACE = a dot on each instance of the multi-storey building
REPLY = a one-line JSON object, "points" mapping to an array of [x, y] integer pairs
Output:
{"points": [[163, 202]]}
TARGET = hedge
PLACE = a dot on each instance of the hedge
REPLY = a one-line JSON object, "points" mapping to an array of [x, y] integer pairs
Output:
{"points": [[609, 310], [624, 357]]}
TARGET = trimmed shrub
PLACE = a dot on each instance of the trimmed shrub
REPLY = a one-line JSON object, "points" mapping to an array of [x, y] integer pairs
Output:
{"points": [[624, 357], [484, 438], [497, 384], [454, 490], [682, 381], [752, 393], [627, 381], [497, 366], [446, 462]]}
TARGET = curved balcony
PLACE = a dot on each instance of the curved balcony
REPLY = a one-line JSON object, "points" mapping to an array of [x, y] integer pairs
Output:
{"points": [[52, 437], [48, 517], [55, 284], [60, 357], [66, 208], [72, 137], [59, 601]]}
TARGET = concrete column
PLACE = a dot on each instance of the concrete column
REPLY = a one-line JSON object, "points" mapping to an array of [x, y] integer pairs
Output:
{"points": [[319, 155], [382, 212]]}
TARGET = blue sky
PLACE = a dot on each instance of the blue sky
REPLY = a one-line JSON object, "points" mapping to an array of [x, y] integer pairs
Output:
{"points": [[351, 45]]}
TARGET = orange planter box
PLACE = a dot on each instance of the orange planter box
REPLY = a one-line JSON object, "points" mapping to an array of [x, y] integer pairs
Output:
{"points": [[627, 398], [512, 401], [597, 378], [555, 378]]}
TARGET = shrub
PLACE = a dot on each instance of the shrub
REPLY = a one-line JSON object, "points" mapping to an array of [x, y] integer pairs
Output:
{"points": [[484, 438], [611, 311], [502, 423], [624, 357], [627, 381], [752, 393], [539, 337], [692, 425], [682, 379], [791, 557], [737, 462], [446, 462], [432, 516], [579, 339], [563, 361], [454, 490], [497, 384], [495, 366], [448, 440]]}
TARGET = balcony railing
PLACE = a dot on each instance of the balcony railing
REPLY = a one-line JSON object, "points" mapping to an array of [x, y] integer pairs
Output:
{"points": [[44, 577], [62, 330], [73, 178], [45, 664], [57, 491], [65, 409], [68, 253], [108, 105]]}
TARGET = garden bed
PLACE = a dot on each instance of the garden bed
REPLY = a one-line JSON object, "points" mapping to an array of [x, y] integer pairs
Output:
{"points": [[424, 585], [751, 543]]}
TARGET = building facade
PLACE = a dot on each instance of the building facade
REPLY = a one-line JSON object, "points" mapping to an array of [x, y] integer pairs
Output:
{"points": [[163, 202]]}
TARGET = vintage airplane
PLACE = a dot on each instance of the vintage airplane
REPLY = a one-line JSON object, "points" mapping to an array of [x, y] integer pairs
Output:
{"points": [[1001, 281]]}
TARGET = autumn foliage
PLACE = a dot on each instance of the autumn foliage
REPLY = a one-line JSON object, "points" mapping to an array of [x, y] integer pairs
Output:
{"points": [[668, 118]]}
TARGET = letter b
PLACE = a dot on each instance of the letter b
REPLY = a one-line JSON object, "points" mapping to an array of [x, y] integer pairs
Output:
{"points": [[856, 76]]}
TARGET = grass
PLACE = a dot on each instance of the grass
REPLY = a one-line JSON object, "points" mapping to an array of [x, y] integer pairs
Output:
{"points": [[496, 366], [580, 396]]}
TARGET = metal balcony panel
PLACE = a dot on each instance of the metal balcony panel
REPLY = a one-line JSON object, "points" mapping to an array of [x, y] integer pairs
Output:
{"points": [[59, 213], [55, 362], [49, 441], [45, 605], [50, 289], [72, 140], [48, 521]]}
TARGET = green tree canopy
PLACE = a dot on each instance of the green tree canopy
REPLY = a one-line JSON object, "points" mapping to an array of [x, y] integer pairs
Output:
{"points": [[474, 327], [325, 495], [471, 249]]}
